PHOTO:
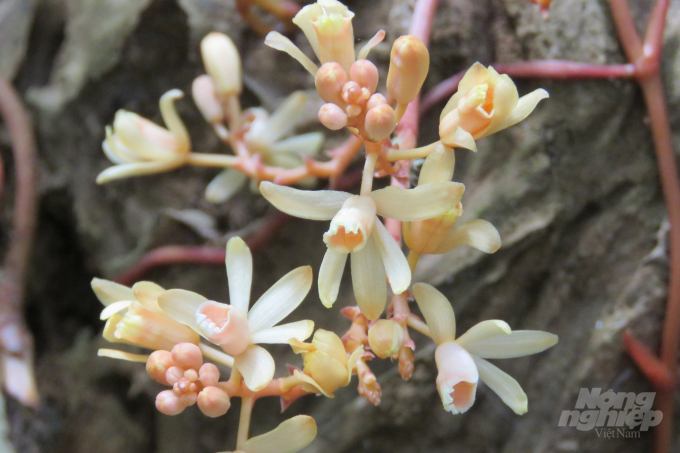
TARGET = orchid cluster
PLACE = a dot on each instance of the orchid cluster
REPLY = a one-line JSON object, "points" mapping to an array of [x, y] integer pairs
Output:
{"points": [[188, 334]]}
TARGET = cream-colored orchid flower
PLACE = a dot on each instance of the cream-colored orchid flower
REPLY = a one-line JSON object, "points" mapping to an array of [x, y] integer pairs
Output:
{"points": [[461, 361], [290, 436], [237, 329], [486, 102], [439, 234], [266, 136], [139, 147], [133, 317], [327, 24], [326, 365], [355, 230]]}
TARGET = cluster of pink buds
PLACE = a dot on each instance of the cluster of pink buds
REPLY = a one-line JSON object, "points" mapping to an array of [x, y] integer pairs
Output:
{"points": [[192, 381]]}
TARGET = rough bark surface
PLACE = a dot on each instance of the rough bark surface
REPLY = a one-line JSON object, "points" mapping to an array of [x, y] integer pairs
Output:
{"points": [[573, 190]]}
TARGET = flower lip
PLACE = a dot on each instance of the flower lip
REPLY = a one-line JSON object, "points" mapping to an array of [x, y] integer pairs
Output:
{"points": [[352, 225], [224, 325], [457, 378]]}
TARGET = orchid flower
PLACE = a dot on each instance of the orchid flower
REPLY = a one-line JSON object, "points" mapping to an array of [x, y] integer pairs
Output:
{"points": [[237, 329], [461, 361], [355, 230]]}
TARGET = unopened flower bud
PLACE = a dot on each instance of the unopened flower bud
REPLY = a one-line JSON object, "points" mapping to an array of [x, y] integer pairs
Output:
{"points": [[380, 122], [375, 100], [168, 403], [203, 91], [187, 356], [352, 93], [386, 337], [158, 364], [365, 74], [329, 80], [173, 375], [222, 63], [213, 401], [224, 325], [209, 375], [409, 64], [332, 116]]}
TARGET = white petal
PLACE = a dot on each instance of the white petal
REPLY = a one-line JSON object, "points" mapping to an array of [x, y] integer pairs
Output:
{"points": [[137, 169], [114, 308], [477, 233], [281, 299], [290, 436], [437, 311], [306, 204], [374, 41], [257, 367], [330, 276], [517, 344], [420, 203], [462, 139], [300, 330], [307, 144], [181, 305], [396, 266], [484, 330], [147, 293], [368, 279], [286, 116], [525, 106], [172, 119], [239, 263], [503, 385], [277, 41], [122, 355], [109, 292], [224, 185]]}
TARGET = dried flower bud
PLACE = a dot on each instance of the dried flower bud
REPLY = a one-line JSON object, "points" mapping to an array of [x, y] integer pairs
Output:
{"points": [[158, 364], [380, 122], [352, 225], [168, 403], [213, 401], [222, 63], [203, 91], [224, 325], [329, 80], [187, 356], [409, 64], [332, 116], [386, 337], [365, 74]]}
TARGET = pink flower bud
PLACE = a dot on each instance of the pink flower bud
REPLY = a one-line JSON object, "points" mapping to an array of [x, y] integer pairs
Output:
{"points": [[329, 80], [209, 375], [173, 375], [203, 91], [380, 122], [157, 365], [187, 355], [332, 116], [191, 375], [352, 93], [188, 399], [365, 74], [375, 100], [213, 401], [168, 403], [224, 325]]}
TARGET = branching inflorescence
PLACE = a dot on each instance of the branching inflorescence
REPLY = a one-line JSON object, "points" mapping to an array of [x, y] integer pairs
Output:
{"points": [[172, 323]]}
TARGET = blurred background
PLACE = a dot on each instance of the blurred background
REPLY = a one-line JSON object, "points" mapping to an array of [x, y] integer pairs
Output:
{"points": [[574, 191]]}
